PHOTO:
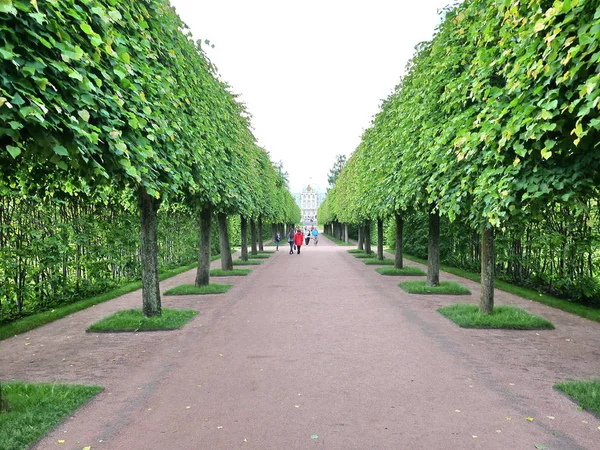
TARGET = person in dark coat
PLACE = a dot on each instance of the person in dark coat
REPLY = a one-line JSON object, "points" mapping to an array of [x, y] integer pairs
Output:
{"points": [[298, 239]]}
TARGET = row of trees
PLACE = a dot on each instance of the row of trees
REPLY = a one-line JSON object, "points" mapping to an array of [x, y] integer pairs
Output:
{"points": [[105, 104], [495, 126]]}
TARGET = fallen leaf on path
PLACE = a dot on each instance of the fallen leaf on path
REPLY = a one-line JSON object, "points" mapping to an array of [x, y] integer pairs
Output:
{"points": [[498, 431], [530, 419], [219, 428], [457, 410], [87, 447], [511, 384], [187, 407], [550, 417], [584, 421], [297, 406], [474, 437], [540, 446], [508, 418], [245, 440], [61, 441]]}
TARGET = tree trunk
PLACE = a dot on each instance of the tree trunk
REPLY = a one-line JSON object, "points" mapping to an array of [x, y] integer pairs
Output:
{"points": [[380, 239], [360, 237], [433, 250], [398, 263], [244, 228], [253, 249], [367, 238], [149, 254], [203, 270], [486, 301], [225, 246], [273, 231], [260, 234], [346, 233]]}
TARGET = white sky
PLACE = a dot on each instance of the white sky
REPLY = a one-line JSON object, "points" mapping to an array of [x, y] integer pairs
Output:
{"points": [[312, 73]]}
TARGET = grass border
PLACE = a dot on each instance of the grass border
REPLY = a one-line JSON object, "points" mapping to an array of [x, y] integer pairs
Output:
{"points": [[378, 262], [179, 318], [230, 273], [406, 271], [505, 317], [37, 320], [577, 397], [577, 309], [32, 415], [191, 289], [443, 289]]}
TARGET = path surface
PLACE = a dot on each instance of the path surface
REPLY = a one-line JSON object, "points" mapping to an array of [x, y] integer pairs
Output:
{"points": [[315, 351]]}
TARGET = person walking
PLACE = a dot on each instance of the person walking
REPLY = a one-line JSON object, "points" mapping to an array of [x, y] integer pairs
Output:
{"points": [[315, 235], [290, 238], [277, 240], [307, 237], [298, 239]]}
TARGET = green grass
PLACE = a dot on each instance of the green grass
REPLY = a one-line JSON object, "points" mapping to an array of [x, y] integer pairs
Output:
{"points": [[250, 262], [506, 317], [134, 320], [35, 409], [355, 250], [363, 255], [37, 320], [266, 252], [229, 273], [406, 271], [580, 310], [258, 256], [586, 393], [378, 262], [445, 287], [192, 289], [336, 240]]}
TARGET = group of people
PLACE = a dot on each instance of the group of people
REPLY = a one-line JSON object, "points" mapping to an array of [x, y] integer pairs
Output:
{"points": [[297, 238]]}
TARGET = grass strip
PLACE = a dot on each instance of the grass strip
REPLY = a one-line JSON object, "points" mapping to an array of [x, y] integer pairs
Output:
{"points": [[405, 271], [337, 241], [134, 320], [37, 320], [250, 262], [362, 255], [445, 287], [585, 393], [266, 252], [587, 312], [355, 250], [34, 409], [258, 256], [505, 317], [192, 289], [229, 273], [378, 262]]}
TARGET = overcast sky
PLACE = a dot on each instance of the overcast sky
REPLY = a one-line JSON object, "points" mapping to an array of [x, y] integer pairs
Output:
{"points": [[313, 73]]}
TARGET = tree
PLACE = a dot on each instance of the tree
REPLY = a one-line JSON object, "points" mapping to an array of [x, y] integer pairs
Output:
{"points": [[338, 166]]}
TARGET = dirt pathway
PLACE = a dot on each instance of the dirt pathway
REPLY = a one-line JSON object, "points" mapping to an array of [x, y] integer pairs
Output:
{"points": [[316, 351]]}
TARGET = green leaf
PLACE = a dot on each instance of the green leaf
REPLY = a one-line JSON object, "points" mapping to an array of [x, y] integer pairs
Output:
{"points": [[60, 150], [6, 6], [14, 151], [86, 28], [84, 114]]}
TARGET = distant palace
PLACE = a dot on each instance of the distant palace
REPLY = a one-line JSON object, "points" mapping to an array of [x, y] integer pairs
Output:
{"points": [[309, 201]]}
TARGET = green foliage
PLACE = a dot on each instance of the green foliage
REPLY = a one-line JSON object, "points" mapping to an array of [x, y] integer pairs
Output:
{"points": [[586, 393], [191, 289], [42, 318], [34, 409], [445, 288], [495, 123], [505, 317], [134, 320]]}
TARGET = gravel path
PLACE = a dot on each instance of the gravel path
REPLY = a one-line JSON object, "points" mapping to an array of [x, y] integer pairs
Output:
{"points": [[316, 351]]}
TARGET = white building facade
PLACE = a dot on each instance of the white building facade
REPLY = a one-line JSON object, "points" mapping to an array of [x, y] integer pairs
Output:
{"points": [[309, 201]]}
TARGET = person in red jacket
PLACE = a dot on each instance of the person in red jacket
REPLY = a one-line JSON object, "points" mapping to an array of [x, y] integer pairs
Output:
{"points": [[298, 239]]}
